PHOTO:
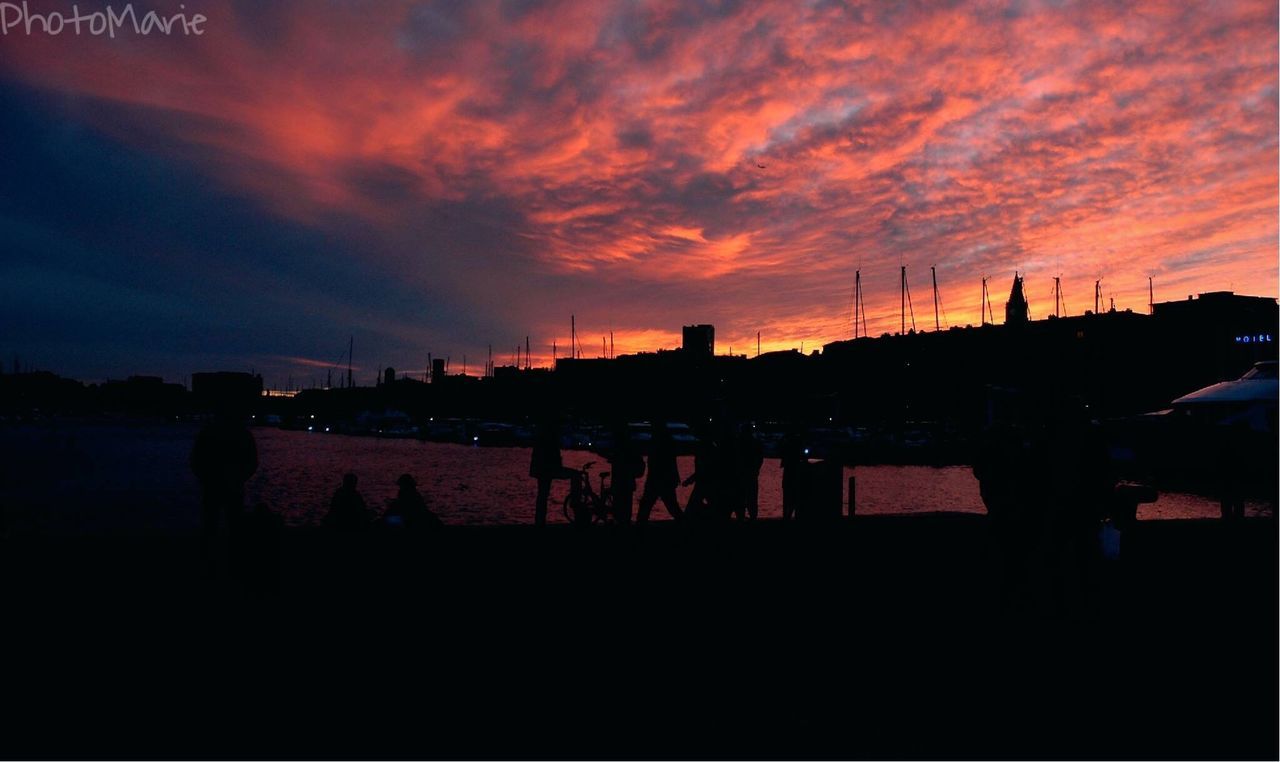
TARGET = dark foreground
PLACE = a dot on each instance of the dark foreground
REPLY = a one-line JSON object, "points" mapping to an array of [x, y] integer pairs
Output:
{"points": [[883, 637]]}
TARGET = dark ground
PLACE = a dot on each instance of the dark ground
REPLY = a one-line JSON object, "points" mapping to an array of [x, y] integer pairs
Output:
{"points": [[885, 637]]}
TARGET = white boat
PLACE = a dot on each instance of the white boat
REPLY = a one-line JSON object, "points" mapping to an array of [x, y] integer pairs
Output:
{"points": [[1222, 434], [1250, 400]]}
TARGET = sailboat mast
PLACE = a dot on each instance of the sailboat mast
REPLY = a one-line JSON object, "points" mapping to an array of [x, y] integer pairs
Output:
{"points": [[933, 272], [901, 311], [351, 345], [859, 312], [906, 303]]}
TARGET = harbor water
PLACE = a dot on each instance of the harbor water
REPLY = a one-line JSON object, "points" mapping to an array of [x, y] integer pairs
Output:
{"points": [[135, 478]]}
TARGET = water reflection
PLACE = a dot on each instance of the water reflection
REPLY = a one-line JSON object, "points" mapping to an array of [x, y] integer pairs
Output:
{"points": [[135, 478]]}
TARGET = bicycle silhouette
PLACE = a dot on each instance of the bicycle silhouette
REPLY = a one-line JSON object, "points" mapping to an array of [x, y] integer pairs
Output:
{"points": [[587, 505]]}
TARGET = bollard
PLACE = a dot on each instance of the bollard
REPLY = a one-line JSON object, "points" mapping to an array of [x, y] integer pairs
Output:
{"points": [[852, 493]]}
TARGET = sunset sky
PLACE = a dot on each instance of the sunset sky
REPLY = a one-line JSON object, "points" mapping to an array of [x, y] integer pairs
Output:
{"points": [[436, 177]]}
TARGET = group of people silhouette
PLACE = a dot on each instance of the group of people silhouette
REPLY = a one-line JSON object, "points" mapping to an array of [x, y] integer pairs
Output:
{"points": [[223, 459], [225, 456], [348, 512], [727, 457], [1043, 473]]}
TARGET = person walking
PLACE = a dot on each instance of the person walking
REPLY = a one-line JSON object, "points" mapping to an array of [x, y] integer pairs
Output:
{"points": [[663, 475]]}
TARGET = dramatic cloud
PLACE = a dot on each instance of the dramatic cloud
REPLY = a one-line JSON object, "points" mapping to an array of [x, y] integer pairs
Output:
{"points": [[442, 176]]}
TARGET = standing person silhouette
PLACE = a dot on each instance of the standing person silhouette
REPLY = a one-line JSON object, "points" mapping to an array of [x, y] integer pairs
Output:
{"points": [[663, 475], [699, 504], [223, 458], [794, 462], [727, 498], [626, 466], [751, 454], [546, 466]]}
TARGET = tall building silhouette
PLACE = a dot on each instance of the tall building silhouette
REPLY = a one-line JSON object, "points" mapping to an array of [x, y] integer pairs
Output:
{"points": [[699, 340], [1015, 310]]}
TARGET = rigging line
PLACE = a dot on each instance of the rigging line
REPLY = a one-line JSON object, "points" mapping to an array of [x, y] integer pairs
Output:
{"points": [[910, 309], [853, 298], [338, 363]]}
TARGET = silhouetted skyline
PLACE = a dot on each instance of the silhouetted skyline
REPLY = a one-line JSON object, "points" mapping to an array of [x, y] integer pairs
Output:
{"points": [[441, 178]]}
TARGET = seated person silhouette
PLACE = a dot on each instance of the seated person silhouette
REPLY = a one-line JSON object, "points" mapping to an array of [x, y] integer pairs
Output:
{"points": [[409, 510], [347, 509]]}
